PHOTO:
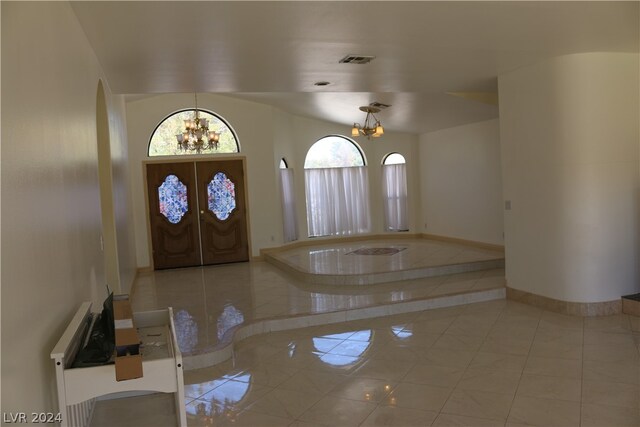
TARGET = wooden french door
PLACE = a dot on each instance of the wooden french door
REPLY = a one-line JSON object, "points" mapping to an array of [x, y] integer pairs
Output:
{"points": [[223, 226], [197, 213]]}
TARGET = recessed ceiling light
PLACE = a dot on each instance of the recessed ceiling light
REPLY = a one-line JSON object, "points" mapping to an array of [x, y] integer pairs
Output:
{"points": [[322, 83]]}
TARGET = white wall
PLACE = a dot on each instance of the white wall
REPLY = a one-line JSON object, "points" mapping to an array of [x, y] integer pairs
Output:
{"points": [[569, 135], [461, 182], [266, 135], [51, 221]]}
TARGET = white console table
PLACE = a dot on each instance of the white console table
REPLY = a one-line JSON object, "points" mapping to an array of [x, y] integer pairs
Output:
{"points": [[78, 388]]}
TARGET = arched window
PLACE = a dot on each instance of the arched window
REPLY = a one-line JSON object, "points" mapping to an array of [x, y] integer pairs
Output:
{"points": [[337, 188], [163, 140], [289, 220], [394, 192], [334, 151], [394, 159]]}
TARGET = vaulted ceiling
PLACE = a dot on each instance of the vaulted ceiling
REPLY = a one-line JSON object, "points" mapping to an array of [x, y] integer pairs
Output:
{"points": [[427, 54]]}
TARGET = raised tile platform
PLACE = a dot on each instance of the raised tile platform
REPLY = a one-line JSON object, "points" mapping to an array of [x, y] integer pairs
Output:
{"points": [[381, 261]]}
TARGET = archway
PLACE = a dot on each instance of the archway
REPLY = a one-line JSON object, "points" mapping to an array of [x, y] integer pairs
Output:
{"points": [[109, 238]]}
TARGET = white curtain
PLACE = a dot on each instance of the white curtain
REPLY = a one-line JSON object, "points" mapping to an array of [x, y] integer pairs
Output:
{"points": [[337, 201], [394, 195], [290, 222]]}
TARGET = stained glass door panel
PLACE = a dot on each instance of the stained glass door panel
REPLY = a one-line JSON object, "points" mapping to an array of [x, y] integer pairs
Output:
{"points": [[223, 224], [173, 216]]}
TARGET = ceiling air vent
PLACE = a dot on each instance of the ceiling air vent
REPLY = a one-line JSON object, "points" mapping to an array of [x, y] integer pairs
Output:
{"points": [[356, 59]]}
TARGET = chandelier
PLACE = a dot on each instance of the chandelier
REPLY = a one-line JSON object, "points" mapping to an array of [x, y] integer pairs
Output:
{"points": [[372, 126], [195, 132]]}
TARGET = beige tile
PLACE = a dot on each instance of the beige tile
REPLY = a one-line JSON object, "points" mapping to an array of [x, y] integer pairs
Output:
{"points": [[479, 404], [550, 320], [529, 321], [627, 353], [459, 342], [433, 325], [506, 345], [387, 370], [544, 412], [448, 420], [312, 382], [300, 423], [611, 394], [550, 387], [614, 372], [334, 411], [399, 417], [283, 403], [498, 362], [614, 323], [555, 367], [555, 349], [471, 325], [444, 376], [443, 357], [252, 419], [510, 330], [364, 389], [559, 335], [607, 338], [417, 396], [602, 415], [442, 313], [505, 382], [408, 354], [264, 374]]}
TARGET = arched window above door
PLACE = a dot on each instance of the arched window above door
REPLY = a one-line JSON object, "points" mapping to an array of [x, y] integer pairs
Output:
{"points": [[163, 139]]}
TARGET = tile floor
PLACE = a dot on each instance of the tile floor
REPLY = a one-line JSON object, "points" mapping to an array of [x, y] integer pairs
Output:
{"points": [[491, 363], [209, 301]]}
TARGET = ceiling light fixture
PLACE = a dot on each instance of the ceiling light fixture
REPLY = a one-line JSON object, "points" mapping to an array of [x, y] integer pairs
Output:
{"points": [[194, 131], [372, 126]]}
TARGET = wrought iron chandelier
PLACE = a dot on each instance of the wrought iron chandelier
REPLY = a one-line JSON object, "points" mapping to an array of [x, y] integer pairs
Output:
{"points": [[195, 132], [372, 126]]}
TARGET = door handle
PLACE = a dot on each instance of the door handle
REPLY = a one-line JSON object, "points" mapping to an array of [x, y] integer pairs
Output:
{"points": [[201, 212]]}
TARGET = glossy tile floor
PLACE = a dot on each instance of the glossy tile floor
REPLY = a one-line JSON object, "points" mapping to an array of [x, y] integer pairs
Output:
{"points": [[492, 363], [210, 301]]}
